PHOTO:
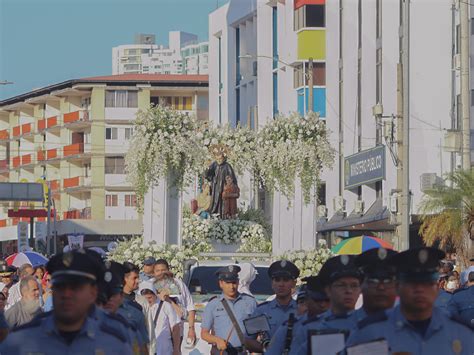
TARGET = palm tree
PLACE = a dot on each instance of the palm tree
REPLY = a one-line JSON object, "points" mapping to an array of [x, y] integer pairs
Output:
{"points": [[448, 213]]}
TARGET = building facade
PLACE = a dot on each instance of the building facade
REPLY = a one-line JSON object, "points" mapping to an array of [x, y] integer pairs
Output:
{"points": [[74, 135], [259, 59], [183, 55]]}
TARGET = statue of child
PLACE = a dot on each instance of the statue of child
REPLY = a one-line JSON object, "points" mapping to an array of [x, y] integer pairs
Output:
{"points": [[230, 194]]}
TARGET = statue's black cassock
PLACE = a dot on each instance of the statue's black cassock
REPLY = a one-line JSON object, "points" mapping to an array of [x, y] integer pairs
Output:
{"points": [[216, 176]]}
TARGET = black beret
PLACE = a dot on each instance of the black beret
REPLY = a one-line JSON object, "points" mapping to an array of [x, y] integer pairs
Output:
{"points": [[337, 267], [74, 267], [418, 264], [283, 268], [228, 273]]}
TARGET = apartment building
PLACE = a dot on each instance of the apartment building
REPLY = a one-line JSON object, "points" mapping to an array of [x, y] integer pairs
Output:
{"points": [[75, 135], [259, 54], [183, 55]]}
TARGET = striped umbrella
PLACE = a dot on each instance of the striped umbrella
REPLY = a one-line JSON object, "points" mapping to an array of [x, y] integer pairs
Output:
{"points": [[27, 257], [357, 245]]}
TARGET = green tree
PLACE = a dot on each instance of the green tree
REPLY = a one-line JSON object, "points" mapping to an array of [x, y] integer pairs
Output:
{"points": [[448, 213]]}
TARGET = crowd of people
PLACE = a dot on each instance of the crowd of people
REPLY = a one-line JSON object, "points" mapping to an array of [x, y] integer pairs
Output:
{"points": [[79, 303]]}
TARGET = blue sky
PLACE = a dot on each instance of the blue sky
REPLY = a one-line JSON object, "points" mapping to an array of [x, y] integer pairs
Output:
{"points": [[48, 41]]}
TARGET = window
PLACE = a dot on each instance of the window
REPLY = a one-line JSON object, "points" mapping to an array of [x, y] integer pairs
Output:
{"points": [[115, 165], [111, 133], [128, 133], [237, 56], [319, 75], [130, 200], [309, 16], [121, 98], [111, 200]]}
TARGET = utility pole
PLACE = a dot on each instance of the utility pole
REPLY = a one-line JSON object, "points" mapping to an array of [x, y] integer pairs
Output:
{"points": [[310, 85], [403, 129], [465, 104]]}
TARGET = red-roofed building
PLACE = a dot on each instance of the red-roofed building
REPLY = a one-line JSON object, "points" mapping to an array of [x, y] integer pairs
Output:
{"points": [[76, 134]]}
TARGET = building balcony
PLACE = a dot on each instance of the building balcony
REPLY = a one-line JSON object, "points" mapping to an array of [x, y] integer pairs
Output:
{"points": [[16, 131], [3, 223], [42, 124], [3, 164], [54, 185], [312, 44], [16, 161], [76, 117], [27, 159], [4, 135], [26, 128], [84, 213], [48, 123], [73, 149], [41, 155], [77, 182], [52, 153]]}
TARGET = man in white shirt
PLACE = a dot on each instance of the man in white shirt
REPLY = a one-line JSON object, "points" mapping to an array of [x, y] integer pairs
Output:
{"points": [[163, 323], [185, 304], [14, 294]]}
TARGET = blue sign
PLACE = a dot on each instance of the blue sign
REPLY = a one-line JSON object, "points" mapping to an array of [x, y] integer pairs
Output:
{"points": [[365, 167]]}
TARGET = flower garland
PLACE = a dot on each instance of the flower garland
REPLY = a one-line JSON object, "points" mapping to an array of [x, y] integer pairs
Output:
{"points": [[170, 144]]}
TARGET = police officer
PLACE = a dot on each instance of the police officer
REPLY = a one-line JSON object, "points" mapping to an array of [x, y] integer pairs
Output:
{"points": [[116, 305], [461, 303], [69, 328], [283, 274], [378, 287], [415, 326], [341, 279], [317, 303], [224, 315], [443, 296]]}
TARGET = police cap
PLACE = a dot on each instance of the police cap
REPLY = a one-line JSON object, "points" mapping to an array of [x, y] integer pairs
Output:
{"points": [[337, 267], [283, 268], [113, 278], [315, 288], [149, 261], [418, 264], [74, 267], [228, 273], [374, 263], [6, 270]]}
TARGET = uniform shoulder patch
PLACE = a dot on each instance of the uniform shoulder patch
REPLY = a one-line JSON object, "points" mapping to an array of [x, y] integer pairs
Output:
{"points": [[212, 298], [263, 303], [374, 318], [462, 321], [113, 331]]}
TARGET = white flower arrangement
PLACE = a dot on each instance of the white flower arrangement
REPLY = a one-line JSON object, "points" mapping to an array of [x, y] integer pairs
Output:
{"points": [[134, 251], [227, 231], [170, 144], [309, 261]]}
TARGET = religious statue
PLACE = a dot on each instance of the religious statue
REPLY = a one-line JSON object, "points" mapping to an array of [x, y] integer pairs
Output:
{"points": [[216, 175], [229, 196]]}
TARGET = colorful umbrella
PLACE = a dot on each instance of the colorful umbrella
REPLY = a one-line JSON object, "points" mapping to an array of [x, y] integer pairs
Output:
{"points": [[27, 257], [357, 245]]}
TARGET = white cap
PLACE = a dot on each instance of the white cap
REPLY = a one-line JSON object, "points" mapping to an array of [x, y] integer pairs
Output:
{"points": [[146, 285]]}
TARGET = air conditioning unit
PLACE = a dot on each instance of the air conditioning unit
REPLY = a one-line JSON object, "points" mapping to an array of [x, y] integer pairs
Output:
{"points": [[452, 141], [430, 181], [339, 204], [322, 211], [359, 207], [457, 61]]}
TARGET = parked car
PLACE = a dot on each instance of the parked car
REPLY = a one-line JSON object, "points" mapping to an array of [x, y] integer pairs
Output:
{"points": [[203, 285]]}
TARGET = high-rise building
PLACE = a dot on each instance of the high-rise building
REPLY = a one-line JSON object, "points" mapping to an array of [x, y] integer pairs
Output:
{"points": [[259, 56], [75, 135], [183, 55]]}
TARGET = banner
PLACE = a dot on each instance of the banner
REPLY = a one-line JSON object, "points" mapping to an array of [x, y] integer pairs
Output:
{"points": [[41, 229], [75, 241], [23, 237]]}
